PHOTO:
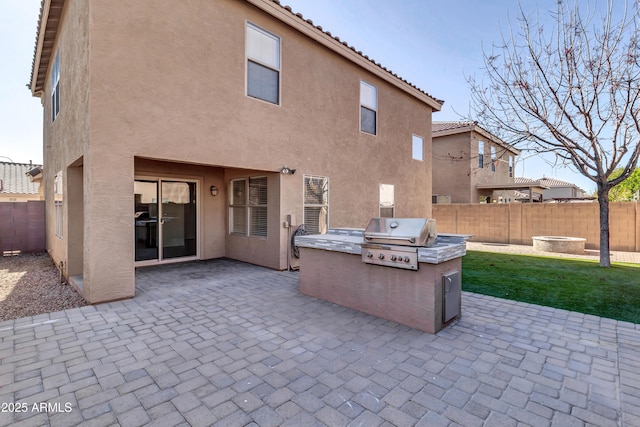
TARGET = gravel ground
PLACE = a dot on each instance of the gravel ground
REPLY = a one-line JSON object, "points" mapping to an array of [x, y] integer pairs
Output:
{"points": [[29, 285]]}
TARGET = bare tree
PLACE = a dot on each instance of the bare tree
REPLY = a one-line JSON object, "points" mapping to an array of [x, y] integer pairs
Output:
{"points": [[573, 91]]}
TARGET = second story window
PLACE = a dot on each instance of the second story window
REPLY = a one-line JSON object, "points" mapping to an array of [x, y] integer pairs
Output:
{"points": [[510, 166], [55, 87], [480, 154], [417, 147], [494, 159], [368, 108], [263, 64]]}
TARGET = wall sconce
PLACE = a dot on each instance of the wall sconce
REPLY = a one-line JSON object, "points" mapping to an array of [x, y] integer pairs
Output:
{"points": [[214, 190], [287, 171]]}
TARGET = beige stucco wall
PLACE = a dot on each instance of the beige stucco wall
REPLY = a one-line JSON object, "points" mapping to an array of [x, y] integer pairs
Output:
{"points": [[142, 83], [456, 172], [452, 165], [66, 139]]}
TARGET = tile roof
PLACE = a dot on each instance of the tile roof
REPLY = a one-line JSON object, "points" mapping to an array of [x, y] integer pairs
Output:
{"points": [[50, 18], [14, 179], [522, 180], [442, 126], [551, 182], [439, 129], [336, 38]]}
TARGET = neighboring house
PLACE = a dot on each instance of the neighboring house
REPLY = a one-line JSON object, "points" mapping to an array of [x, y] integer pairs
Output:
{"points": [[550, 190], [562, 190], [471, 165], [532, 190], [20, 182], [178, 131]]}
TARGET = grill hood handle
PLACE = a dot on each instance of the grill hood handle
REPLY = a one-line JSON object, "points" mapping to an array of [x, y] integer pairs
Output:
{"points": [[371, 236]]}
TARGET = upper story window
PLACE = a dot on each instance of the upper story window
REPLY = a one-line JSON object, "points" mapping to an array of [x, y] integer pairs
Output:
{"points": [[417, 147], [480, 154], [55, 87], [494, 159], [368, 108], [510, 166], [263, 64], [387, 201]]}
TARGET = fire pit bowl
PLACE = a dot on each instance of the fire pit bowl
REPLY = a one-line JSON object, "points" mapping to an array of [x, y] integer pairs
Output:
{"points": [[559, 244]]}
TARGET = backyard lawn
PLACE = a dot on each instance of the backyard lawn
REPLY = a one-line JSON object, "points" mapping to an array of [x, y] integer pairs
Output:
{"points": [[575, 285]]}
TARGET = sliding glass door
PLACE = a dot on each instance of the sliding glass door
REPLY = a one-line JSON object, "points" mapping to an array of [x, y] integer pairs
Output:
{"points": [[165, 219]]}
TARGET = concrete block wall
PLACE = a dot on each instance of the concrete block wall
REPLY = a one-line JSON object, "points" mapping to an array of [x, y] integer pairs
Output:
{"points": [[517, 223]]}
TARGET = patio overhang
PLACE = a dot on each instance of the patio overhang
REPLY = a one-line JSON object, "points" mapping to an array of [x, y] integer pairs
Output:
{"points": [[532, 187]]}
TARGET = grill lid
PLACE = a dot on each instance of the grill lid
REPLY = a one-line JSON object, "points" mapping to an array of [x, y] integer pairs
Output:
{"points": [[401, 231]]}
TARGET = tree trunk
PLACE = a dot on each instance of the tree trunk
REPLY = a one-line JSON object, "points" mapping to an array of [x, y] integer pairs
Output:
{"points": [[603, 201]]}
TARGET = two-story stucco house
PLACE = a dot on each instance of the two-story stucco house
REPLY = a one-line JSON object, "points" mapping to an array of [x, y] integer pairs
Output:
{"points": [[178, 131], [471, 165]]}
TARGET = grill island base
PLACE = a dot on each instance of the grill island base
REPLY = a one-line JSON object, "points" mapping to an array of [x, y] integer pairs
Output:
{"points": [[428, 298]]}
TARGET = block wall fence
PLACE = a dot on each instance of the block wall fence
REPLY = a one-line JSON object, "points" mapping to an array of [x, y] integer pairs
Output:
{"points": [[517, 223]]}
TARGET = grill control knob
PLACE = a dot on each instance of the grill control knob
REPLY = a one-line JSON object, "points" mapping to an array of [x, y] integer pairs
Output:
{"points": [[381, 256], [393, 257], [406, 259], [369, 254]]}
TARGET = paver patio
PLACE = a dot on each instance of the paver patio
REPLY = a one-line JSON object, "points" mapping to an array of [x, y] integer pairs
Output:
{"points": [[226, 343]]}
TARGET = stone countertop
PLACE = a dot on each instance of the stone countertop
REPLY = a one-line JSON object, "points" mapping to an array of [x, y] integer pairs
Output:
{"points": [[349, 241]]}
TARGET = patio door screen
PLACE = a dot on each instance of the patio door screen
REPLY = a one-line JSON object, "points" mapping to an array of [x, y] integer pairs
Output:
{"points": [[165, 220]]}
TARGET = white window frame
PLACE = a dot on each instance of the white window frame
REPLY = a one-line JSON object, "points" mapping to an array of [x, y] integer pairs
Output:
{"points": [[322, 206], [250, 228], [494, 158], [55, 88], [277, 66], [387, 201], [417, 147], [58, 195], [371, 106], [511, 161], [481, 154]]}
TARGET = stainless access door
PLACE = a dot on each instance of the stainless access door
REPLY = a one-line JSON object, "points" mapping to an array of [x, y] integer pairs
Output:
{"points": [[451, 294]]}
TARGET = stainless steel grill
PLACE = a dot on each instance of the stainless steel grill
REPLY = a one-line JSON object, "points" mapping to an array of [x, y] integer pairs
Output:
{"points": [[394, 242]]}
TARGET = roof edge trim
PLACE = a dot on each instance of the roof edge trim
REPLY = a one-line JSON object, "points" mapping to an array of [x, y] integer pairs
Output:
{"points": [[275, 9]]}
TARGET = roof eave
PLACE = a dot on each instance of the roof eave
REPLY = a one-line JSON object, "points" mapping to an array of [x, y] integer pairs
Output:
{"points": [[50, 15], [296, 21]]}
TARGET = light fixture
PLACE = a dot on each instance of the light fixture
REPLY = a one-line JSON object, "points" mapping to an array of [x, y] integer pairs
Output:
{"points": [[287, 171], [214, 190]]}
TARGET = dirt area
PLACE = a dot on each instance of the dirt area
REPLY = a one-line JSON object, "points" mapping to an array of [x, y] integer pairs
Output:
{"points": [[30, 285]]}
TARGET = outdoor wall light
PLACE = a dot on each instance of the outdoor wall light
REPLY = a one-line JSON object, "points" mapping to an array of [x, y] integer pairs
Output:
{"points": [[214, 190], [287, 171]]}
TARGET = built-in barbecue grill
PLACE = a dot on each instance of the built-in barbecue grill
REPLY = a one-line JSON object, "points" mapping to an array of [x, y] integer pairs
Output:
{"points": [[394, 242]]}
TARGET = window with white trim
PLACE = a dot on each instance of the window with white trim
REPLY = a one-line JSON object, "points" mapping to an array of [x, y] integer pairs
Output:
{"points": [[58, 194], [494, 159], [510, 166], [248, 206], [387, 201], [480, 154], [55, 88], [316, 204], [368, 108], [417, 148], [263, 64]]}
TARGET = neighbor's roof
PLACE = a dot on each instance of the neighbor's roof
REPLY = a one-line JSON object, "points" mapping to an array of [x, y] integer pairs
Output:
{"points": [[456, 127], [14, 179], [51, 10], [553, 183]]}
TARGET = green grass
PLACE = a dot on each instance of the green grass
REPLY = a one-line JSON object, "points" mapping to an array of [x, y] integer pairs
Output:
{"points": [[575, 285]]}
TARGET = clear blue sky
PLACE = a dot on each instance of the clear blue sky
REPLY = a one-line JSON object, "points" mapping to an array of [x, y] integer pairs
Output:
{"points": [[433, 44]]}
